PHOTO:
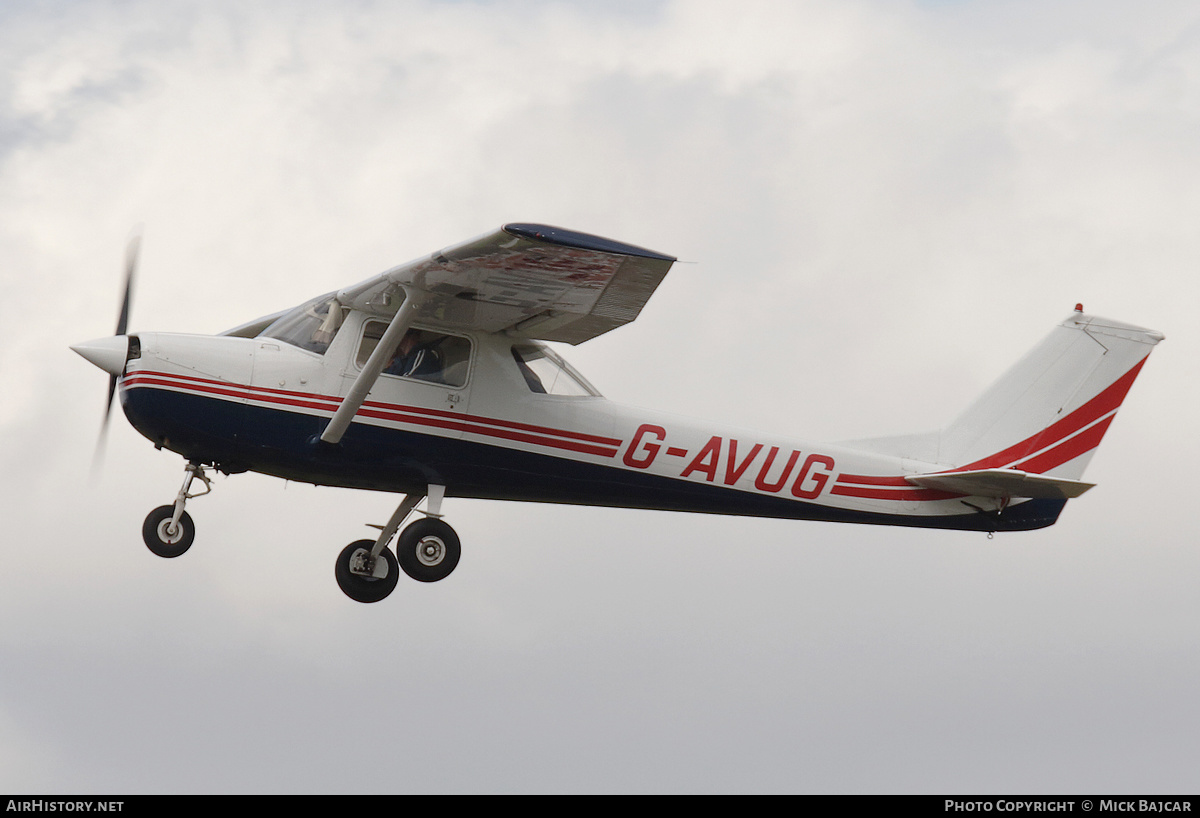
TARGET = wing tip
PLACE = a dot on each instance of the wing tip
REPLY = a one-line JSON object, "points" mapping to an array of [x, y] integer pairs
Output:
{"points": [[563, 237]]}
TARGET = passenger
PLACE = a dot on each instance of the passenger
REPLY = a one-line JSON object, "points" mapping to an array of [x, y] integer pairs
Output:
{"points": [[413, 359]]}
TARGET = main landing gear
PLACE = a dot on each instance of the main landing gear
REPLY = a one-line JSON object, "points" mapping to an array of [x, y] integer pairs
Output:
{"points": [[427, 550], [169, 530]]}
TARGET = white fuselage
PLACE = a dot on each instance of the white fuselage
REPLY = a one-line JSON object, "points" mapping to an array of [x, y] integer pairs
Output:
{"points": [[259, 403]]}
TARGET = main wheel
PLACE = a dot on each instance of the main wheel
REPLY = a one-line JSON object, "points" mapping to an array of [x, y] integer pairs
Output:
{"points": [[358, 587], [428, 550], [159, 536]]}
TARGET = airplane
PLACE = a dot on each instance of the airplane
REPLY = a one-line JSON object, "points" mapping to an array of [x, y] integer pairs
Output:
{"points": [[435, 380]]}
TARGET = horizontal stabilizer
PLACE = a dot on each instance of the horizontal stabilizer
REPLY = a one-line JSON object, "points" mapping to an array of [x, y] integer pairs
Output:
{"points": [[1002, 483]]}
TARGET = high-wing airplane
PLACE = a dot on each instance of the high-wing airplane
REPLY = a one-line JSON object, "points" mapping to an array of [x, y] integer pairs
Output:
{"points": [[433, 380]]}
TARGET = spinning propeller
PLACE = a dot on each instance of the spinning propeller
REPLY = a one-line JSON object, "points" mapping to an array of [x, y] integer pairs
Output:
{"points": [[111, 354]]}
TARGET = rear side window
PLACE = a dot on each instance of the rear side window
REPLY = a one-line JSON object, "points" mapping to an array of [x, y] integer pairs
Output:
{"points": [[546, 373]]}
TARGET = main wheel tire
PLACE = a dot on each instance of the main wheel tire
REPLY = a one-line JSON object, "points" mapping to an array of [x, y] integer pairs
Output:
{"points": [[160, 539], [360, 588], [428, 550]]}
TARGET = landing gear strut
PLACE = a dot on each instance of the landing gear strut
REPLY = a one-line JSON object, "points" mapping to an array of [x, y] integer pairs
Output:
{"points": [[168, 530], [427, 550]]}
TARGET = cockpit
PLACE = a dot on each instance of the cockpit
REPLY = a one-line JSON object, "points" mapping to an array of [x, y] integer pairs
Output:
{"points": [[423, 354], [310, 326]]}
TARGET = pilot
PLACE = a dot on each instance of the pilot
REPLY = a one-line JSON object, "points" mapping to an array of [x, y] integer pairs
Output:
{"points": [[413, 359]]}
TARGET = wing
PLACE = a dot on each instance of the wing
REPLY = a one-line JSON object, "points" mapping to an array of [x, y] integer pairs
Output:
{"points": [[531, 280]]}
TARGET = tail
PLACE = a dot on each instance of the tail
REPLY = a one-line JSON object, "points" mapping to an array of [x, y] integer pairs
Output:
{"points": [[1047, 414], [1032, 434]]}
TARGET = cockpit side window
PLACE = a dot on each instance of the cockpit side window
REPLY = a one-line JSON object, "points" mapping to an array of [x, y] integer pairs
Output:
{"points": [[422, 354], [548, 374], [310, 326]]}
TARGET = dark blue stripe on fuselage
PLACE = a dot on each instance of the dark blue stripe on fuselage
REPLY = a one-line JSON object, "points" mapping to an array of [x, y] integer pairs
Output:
{"points": [[239, 437]]}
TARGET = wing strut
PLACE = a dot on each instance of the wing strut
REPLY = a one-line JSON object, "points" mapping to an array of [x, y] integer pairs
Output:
{"points": [[370, 372]]}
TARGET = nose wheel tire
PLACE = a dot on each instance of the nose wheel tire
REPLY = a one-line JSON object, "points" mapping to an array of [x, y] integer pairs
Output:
{"points": [[363, 588], [164, 539], [428, 550]]}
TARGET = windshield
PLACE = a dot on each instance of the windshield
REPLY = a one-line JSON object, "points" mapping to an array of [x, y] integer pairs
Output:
{"points": [[310, 326]]}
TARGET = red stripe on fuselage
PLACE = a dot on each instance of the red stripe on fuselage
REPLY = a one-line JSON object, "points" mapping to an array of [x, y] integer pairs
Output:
{"points": [[415, 415]]}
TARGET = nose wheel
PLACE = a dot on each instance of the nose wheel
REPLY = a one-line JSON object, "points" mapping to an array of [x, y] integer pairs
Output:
{"points": [[168, 530], [166, 536]]}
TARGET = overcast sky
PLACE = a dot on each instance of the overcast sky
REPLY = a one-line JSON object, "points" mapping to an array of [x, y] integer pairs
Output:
{"points": [[880, 206]]}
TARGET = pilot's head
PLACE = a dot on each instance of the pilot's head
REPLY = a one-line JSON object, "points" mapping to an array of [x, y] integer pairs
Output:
{"points": [[409, 342]]}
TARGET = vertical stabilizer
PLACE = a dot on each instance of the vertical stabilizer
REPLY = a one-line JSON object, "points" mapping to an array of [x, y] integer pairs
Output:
{"points": [[1048, 413]]}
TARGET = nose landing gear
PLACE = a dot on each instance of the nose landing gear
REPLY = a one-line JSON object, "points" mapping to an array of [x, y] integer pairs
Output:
{"points": [[168, 530]]}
